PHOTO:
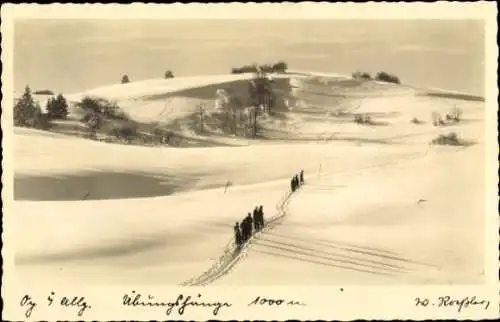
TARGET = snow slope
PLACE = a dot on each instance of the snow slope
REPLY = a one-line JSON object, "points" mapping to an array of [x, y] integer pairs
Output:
{"points": [[400, 207], [415, 221], [163, 100]]}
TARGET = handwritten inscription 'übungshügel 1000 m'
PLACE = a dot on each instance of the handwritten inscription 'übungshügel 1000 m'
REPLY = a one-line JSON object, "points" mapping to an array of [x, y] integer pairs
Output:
{"points": [[181, 303]]}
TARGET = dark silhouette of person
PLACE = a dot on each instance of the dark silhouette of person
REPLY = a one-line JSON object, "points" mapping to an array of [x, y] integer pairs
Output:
{"points": [[243, 231], [293, 184], [256, 221], [256, 218], [250, 223], [297, 184], [261, 217], [237, 235], [301, 177]]}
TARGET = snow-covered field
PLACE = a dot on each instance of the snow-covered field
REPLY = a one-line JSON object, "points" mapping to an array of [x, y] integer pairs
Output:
{"points": [[398, 211]]}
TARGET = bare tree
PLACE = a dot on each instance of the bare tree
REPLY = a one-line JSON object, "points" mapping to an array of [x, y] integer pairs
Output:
{"points": [[233, 120], [436, 119], [456, 114], [202, 113], [253, 120]]}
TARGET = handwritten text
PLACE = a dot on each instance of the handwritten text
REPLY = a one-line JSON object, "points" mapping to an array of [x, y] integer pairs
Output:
{"points": [[78, 302], [181, 303], [262, 301], [448, 301]]}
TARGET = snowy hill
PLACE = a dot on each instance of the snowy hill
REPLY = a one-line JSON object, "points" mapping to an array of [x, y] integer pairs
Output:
{"points": [[160, 215]]}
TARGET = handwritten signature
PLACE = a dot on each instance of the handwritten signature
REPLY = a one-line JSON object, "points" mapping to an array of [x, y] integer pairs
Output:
{"points": [[448, 301]]}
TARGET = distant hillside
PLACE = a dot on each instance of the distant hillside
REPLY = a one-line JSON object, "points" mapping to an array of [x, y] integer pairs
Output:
{"points": [[164, 100], [217, 109]]}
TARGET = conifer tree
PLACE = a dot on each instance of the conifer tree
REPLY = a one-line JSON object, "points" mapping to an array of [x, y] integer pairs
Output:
{"points": [[25, 109], [57, 108]]}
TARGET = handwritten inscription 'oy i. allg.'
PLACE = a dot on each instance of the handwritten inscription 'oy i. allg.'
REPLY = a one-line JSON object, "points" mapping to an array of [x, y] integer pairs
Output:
{"points": [[78, 302], [181, 303]]}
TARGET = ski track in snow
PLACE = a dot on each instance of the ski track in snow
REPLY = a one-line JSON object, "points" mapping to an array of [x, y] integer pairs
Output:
{"points": [[232, 256]]}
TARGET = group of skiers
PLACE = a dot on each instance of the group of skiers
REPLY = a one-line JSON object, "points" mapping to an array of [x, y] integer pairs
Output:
{"points": [[297, 180], [243, 231]]}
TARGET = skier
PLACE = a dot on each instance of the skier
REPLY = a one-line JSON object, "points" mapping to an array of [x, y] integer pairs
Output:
{"points": [[293, 184], [243, 230], [256, 221], [250, 224], [237, 235], [301, 177], [261, 217], [297, 184]]}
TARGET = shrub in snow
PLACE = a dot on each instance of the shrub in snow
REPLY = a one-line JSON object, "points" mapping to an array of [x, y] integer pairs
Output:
{"points": [[169, 74], [416, 121], [447, 139], [362, 119], [361, 75], [279, 67], [386, 77], [126, 131], [102, 107], [98, 111], [125, 79]]}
